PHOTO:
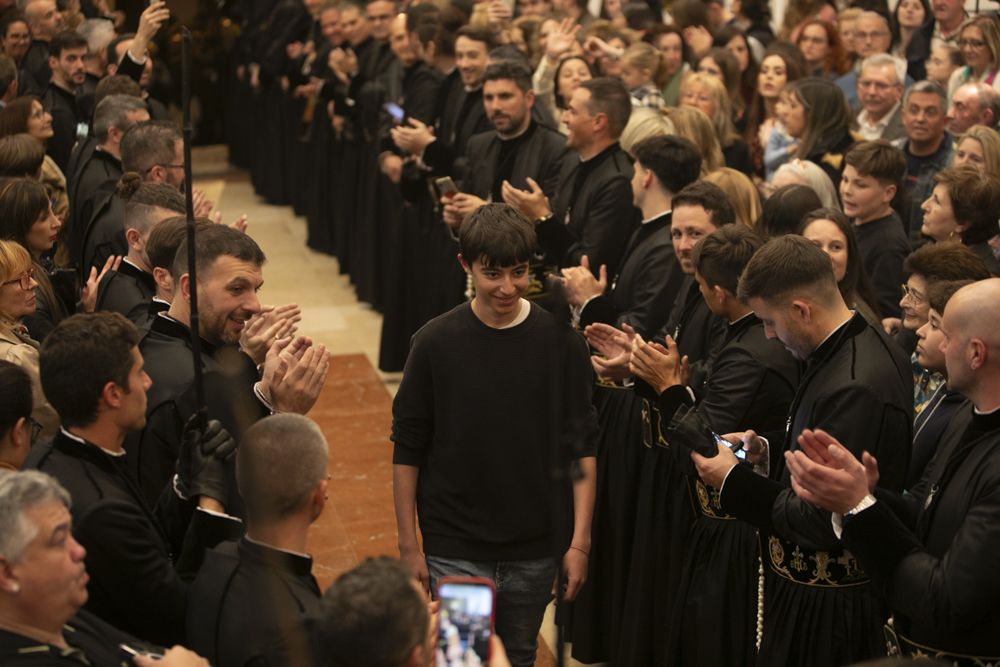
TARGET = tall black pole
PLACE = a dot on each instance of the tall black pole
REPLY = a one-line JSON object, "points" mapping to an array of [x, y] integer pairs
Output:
{"points": [[199, 385]]}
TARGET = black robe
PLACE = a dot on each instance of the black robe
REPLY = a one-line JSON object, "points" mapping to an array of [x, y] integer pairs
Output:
{"points": [[928, 428], [751, 384], [648, 283], [104, 234], [650, 280], [819, 607], [90, 168], [539, 156], [35, 64], [138, 579], [462, 117], [663, 515], [933, 552], [128, 291], [66, 118], [236, 577], [592, 213], [229, 376]]}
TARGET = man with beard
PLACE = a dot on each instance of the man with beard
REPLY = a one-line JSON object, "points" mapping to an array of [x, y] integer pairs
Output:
{"points": [[515, 152], [229, 274], [66, 60], [818, 606], [591, 213]]}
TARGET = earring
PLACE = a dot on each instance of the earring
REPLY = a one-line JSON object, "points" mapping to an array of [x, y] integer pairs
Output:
{"points": [[15, 587]]}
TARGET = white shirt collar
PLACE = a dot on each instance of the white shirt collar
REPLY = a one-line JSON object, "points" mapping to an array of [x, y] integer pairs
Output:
{"points": [[89, 444]]}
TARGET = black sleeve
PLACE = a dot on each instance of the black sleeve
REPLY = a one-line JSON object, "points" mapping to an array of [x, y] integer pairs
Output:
{"points": [[610, 219], [886, 273]]}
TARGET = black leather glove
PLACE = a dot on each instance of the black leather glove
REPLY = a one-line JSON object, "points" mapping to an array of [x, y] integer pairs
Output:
{"points": [[689, 432], [206, 455]]}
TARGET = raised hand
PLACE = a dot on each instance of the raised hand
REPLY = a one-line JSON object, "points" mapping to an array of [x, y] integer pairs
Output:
{"points": [[88, 295], [532, 203]]}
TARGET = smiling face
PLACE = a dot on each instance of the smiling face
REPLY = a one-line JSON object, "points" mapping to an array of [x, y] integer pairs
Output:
{"points": [[39, 123], [826, 235], [689, 224], [498, 291], [914, 302], [228, 298], [573, 72], [975, 49], [970, 152], [579, 122], [16, 41], [697, 95], [470, 59]]}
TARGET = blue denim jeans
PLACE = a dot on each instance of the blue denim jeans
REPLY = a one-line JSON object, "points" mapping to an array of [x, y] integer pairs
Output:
{"points": [[524, 589]]}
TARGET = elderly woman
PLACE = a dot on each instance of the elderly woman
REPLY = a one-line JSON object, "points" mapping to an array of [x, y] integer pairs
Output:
{"points": [[43, 585], [17, 300], [963, 207]]}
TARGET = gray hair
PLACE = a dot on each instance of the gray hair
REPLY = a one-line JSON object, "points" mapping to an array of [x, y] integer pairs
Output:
{"points": [[280, 461], [988, 98], [98, 33], [811, 175], [19, 492], [875, 15], [930, 87], [883, 59], [113, 111]]}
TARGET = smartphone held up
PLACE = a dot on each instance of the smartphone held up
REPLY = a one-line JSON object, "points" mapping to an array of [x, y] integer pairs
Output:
{"points": [[466, 620]]}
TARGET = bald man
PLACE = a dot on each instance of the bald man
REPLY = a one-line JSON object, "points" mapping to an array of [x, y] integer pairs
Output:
{"points": [[281, 473], [44, 22], [933, 551]]}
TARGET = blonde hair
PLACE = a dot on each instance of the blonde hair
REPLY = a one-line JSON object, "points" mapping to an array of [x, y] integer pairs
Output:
{"points": [[644, 123], [722, 119], [692, 124], [741, 193], [989, 139], [14, 260], [645, 56]]}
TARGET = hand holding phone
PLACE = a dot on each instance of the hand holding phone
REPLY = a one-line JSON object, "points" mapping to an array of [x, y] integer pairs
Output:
{"points": [[466, 620]]}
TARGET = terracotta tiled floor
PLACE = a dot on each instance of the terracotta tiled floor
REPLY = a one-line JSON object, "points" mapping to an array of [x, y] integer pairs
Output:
{"points": [[354, 408]]}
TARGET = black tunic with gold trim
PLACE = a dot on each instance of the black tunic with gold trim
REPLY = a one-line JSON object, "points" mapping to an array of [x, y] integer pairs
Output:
{"points": [[819, 607]]}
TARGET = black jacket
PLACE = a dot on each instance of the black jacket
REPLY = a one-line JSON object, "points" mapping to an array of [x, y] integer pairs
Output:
{"points": [[540, 156], [104, 234], [89, 169], [66, 118], [646, 286], [128, 291], [36, 65], [236, 577], [858, 387], [97, 640], [229, 376], [592, 213], [137, 582], [462, 116], [928, 428], [884, 247], [933, 551], [699, 334]]}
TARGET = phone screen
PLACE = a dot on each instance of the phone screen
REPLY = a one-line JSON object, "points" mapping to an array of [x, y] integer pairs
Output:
{"points": [[465, 623], [737, 449], [395, 111]]}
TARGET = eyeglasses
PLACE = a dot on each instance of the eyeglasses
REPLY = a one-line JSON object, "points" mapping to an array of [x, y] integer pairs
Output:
{"points": [[23, 280], [813, 40], [912, 295], [865, 36], [877, 85], [36, 429], [974, 43]]}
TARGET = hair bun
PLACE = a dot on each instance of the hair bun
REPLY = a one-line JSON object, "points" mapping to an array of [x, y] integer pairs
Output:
{"points": [[128, 185]]}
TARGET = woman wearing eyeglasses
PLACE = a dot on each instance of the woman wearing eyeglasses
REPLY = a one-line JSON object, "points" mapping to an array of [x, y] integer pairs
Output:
{"points": [[17, 300], [979, 40], [26, 217]]}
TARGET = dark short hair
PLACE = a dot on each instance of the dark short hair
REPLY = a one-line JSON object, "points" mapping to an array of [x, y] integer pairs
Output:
{"points": [[21, 155], [113, 46], [878, 159], [506, 52], [689, 13], [674, 160], [609, 96], [15, 396], [515, 71], [939, 292], [142, 198], [498, 235], [213, 242], [946, 261], [720, 257], [8, 72], [148, 144], [118, 84], [785, 266], [975, 201], [783, 211], [163, 241], [371, 616], [67, 39], [80, 357], [477, 34], [710, 197]]}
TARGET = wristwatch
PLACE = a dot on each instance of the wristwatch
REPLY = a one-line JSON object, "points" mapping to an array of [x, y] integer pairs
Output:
{"points": [[865, 503]]}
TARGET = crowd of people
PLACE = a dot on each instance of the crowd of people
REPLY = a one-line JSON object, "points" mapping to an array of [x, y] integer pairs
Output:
{"points": [[696, 308]]}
